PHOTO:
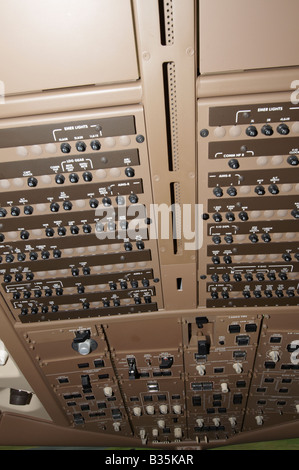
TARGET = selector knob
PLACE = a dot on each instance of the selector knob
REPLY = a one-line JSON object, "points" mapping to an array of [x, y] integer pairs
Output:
{"points": [[67, 205], [81, 146], [54, 207], [251, 131], [293, 160], [216, 422], [273, 189], [283, 129], [130, 172], [74, 178], [233, 163], [267, 129], [200, 422], [15, 211], [87, 176], [65, 147], [260, 190], [32, 182], [59, 179], [95, 145], [218, 192]]}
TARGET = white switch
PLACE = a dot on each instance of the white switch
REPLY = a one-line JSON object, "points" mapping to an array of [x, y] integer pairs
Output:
{"points": [[163, 409], [238, 368], [137, 411], [150, 410], [3, 354], [259, 420], [274, 356], [297, 408], [161, 423], [216, 421], [200, 422], [116, 427], [108, 392], [155, 432], [224, 387], [201, 369], [233, 422], [177, 409], [177, 433]]}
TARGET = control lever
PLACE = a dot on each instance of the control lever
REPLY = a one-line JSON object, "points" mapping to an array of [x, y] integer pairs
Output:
{"points": [[133, 372], [82, 343]]}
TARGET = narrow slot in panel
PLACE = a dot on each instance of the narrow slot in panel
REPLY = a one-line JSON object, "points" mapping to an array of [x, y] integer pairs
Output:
{"points": [[169, 77], [166, 22]]}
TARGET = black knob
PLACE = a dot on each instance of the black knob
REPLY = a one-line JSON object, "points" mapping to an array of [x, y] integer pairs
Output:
{"points": [[215, 259], [93, 203], [249, 277], [260, 190], [266, 237], [24, 235], [214, 294], [59, 179], [15, 211], [251, 131], [7, 278], [243, 216], [45, 254], [257, 293], [86, 228], [57, 253], [28, 210], [130, 172], [260, 277], [61, 231], [293, 160], [29, 276], [215, 277], [32, 182], [106, 201], [228, 239], [217, 217], [246, 294], [74, 230], [37, 293], [67, 205], [113, 286], [19, 277], [54, 207], [283, 276], [273, 189], [3, 212], [287, 257], [80, 289], [216, 239], [128, 246], [9, 258], [295, 213], [74, 178], [226, 277], [48, 292], [59, 291], [87, 176], [237, 277], [283, 129], [33, 256], [271, 276], [21, 256], [2, 237], [230, 216], [232, 191], [65, 147], [267, 129], [218, 192], [140, 245], [95, 145], [49, 232], [86, 270], [227, 259], [234, 164], [81, 146], [133, 198], [75, 272], [123, 285], [253, 238], [279, 293]]}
